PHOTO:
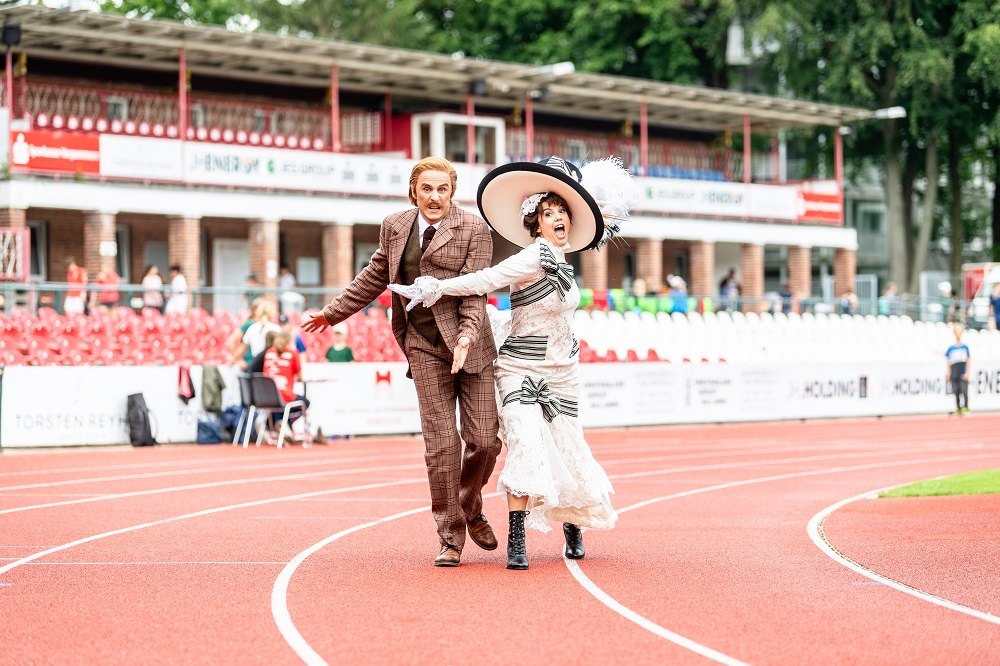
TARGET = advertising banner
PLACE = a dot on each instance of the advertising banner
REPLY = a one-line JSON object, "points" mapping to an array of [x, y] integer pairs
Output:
{"points": [[738, 200], [377, 399], [137, 157], [230, 165], [56, 151]]}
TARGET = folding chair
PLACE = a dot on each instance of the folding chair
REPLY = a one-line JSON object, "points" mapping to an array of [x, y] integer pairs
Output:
{"points": [[267, 399], [245, 424]]}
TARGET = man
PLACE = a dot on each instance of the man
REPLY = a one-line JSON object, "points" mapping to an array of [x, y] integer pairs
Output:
{"points": [[449, 347]]}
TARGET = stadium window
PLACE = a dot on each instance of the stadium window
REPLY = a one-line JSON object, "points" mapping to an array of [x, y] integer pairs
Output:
{"points": [[39, 266], [123, 238], [117, 108]]}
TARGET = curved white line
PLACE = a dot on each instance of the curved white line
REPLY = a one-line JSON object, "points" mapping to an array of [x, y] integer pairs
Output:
{"points": [[210, 484], [818, 536], [204, 512], [279, 592], [631, 615], [264, 466], [648, 625], [287, 628]]}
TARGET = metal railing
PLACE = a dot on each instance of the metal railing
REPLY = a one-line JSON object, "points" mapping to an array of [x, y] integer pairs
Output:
{"points": [[236, 300]]}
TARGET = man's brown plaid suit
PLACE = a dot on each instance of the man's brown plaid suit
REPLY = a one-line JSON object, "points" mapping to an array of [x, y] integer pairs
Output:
{"points": [[461, 245]]}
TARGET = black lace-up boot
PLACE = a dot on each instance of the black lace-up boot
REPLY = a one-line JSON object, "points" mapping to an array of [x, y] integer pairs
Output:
{"points": [[517, 555], [574, 541]]}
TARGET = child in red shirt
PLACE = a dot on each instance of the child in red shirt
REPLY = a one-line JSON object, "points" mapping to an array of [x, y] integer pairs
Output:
{"points": [[282, 364]]}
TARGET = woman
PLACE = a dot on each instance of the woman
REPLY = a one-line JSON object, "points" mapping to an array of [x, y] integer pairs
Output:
{"points": [[152, 285], [550, 473]]}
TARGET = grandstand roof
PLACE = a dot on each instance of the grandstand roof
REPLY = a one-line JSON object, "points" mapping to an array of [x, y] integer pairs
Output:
{"points": [[85, 36]]}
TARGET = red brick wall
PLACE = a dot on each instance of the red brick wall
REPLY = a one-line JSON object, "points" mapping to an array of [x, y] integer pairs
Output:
{"points": [[845, 269], [752, 277], [263, 236], [299, 239], [594, 266], [649, 263], [338, 254], [702, 269], [64, 237], [13, 217], [97, 228], [184, 237], [800, 271], [143, 229]]}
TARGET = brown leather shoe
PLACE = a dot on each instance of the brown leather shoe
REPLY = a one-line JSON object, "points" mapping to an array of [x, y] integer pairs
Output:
{"points": [[482, 533], [449, 557]]}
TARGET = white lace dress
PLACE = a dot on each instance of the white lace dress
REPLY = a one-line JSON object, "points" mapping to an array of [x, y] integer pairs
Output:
{"points": [[538, 387]]}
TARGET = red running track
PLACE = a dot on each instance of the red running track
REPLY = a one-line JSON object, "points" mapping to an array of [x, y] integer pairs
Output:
{"points": [[747, 543]]}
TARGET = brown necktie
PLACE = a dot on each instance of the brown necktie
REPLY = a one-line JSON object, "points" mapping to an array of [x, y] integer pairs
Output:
{"points": [[428, 235]]}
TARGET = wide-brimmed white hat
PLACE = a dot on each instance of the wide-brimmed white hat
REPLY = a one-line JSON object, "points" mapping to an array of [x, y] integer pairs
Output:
{"points": [[505, 188]]}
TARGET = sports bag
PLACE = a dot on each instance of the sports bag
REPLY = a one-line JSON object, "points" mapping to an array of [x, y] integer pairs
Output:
{"points": [[140, 431]]}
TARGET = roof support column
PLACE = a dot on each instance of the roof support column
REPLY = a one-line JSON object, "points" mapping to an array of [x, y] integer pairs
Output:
{"points": [[99, 241], [529, 127], [752, 272], [644, 138], [649, 260], [184, 247], [182, 100], [9, 98], [594, 266], [470, 130], [799, 272], [262, 235], [338, 255], [747, 153], [702, 256], [845, 263], [387, 124], [335, 145], [838, 170]]}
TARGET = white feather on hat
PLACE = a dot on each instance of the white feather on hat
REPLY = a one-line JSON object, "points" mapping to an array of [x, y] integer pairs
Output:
{"points": [[615, 191]]}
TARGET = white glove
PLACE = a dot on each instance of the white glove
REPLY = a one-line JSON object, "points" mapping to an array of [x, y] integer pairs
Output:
{"points": [[425, 290]]}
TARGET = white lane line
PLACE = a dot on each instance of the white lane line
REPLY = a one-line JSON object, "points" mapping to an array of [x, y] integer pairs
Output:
{"points": [[204, 512], [279, 592], [231, 468], [648, 625], [603, 597], [213, 484], [295, 640], [818, 536], [150, 563]]}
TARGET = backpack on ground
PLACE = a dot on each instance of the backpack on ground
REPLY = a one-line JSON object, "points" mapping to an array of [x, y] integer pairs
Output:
{"points": [[137, 414]]}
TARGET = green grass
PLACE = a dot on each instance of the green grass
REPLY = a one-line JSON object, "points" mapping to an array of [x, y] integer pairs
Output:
{"points": [[983, 482]]}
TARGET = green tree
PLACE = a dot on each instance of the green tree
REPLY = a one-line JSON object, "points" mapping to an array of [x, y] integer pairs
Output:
{"points": [[882, 54]]}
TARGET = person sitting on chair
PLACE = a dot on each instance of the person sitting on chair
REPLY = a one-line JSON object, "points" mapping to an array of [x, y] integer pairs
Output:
{"points": [[282, 364]]}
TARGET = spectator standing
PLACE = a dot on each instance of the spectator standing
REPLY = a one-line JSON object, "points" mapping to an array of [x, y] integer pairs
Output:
{"points": [[289, 299], [786, 296], [959, 360], [678, 294], [152, 288], [995, 307], [849, 302], [106, 295], [76, 277], [339, 351], [729, 291], [178, 301]]}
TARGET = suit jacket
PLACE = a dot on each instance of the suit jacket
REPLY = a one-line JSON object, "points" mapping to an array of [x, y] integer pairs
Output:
{"points": [[461, 245]]}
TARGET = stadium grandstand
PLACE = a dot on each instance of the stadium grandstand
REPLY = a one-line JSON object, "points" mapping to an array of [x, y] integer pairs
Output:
{"points": [[136, 143]]}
